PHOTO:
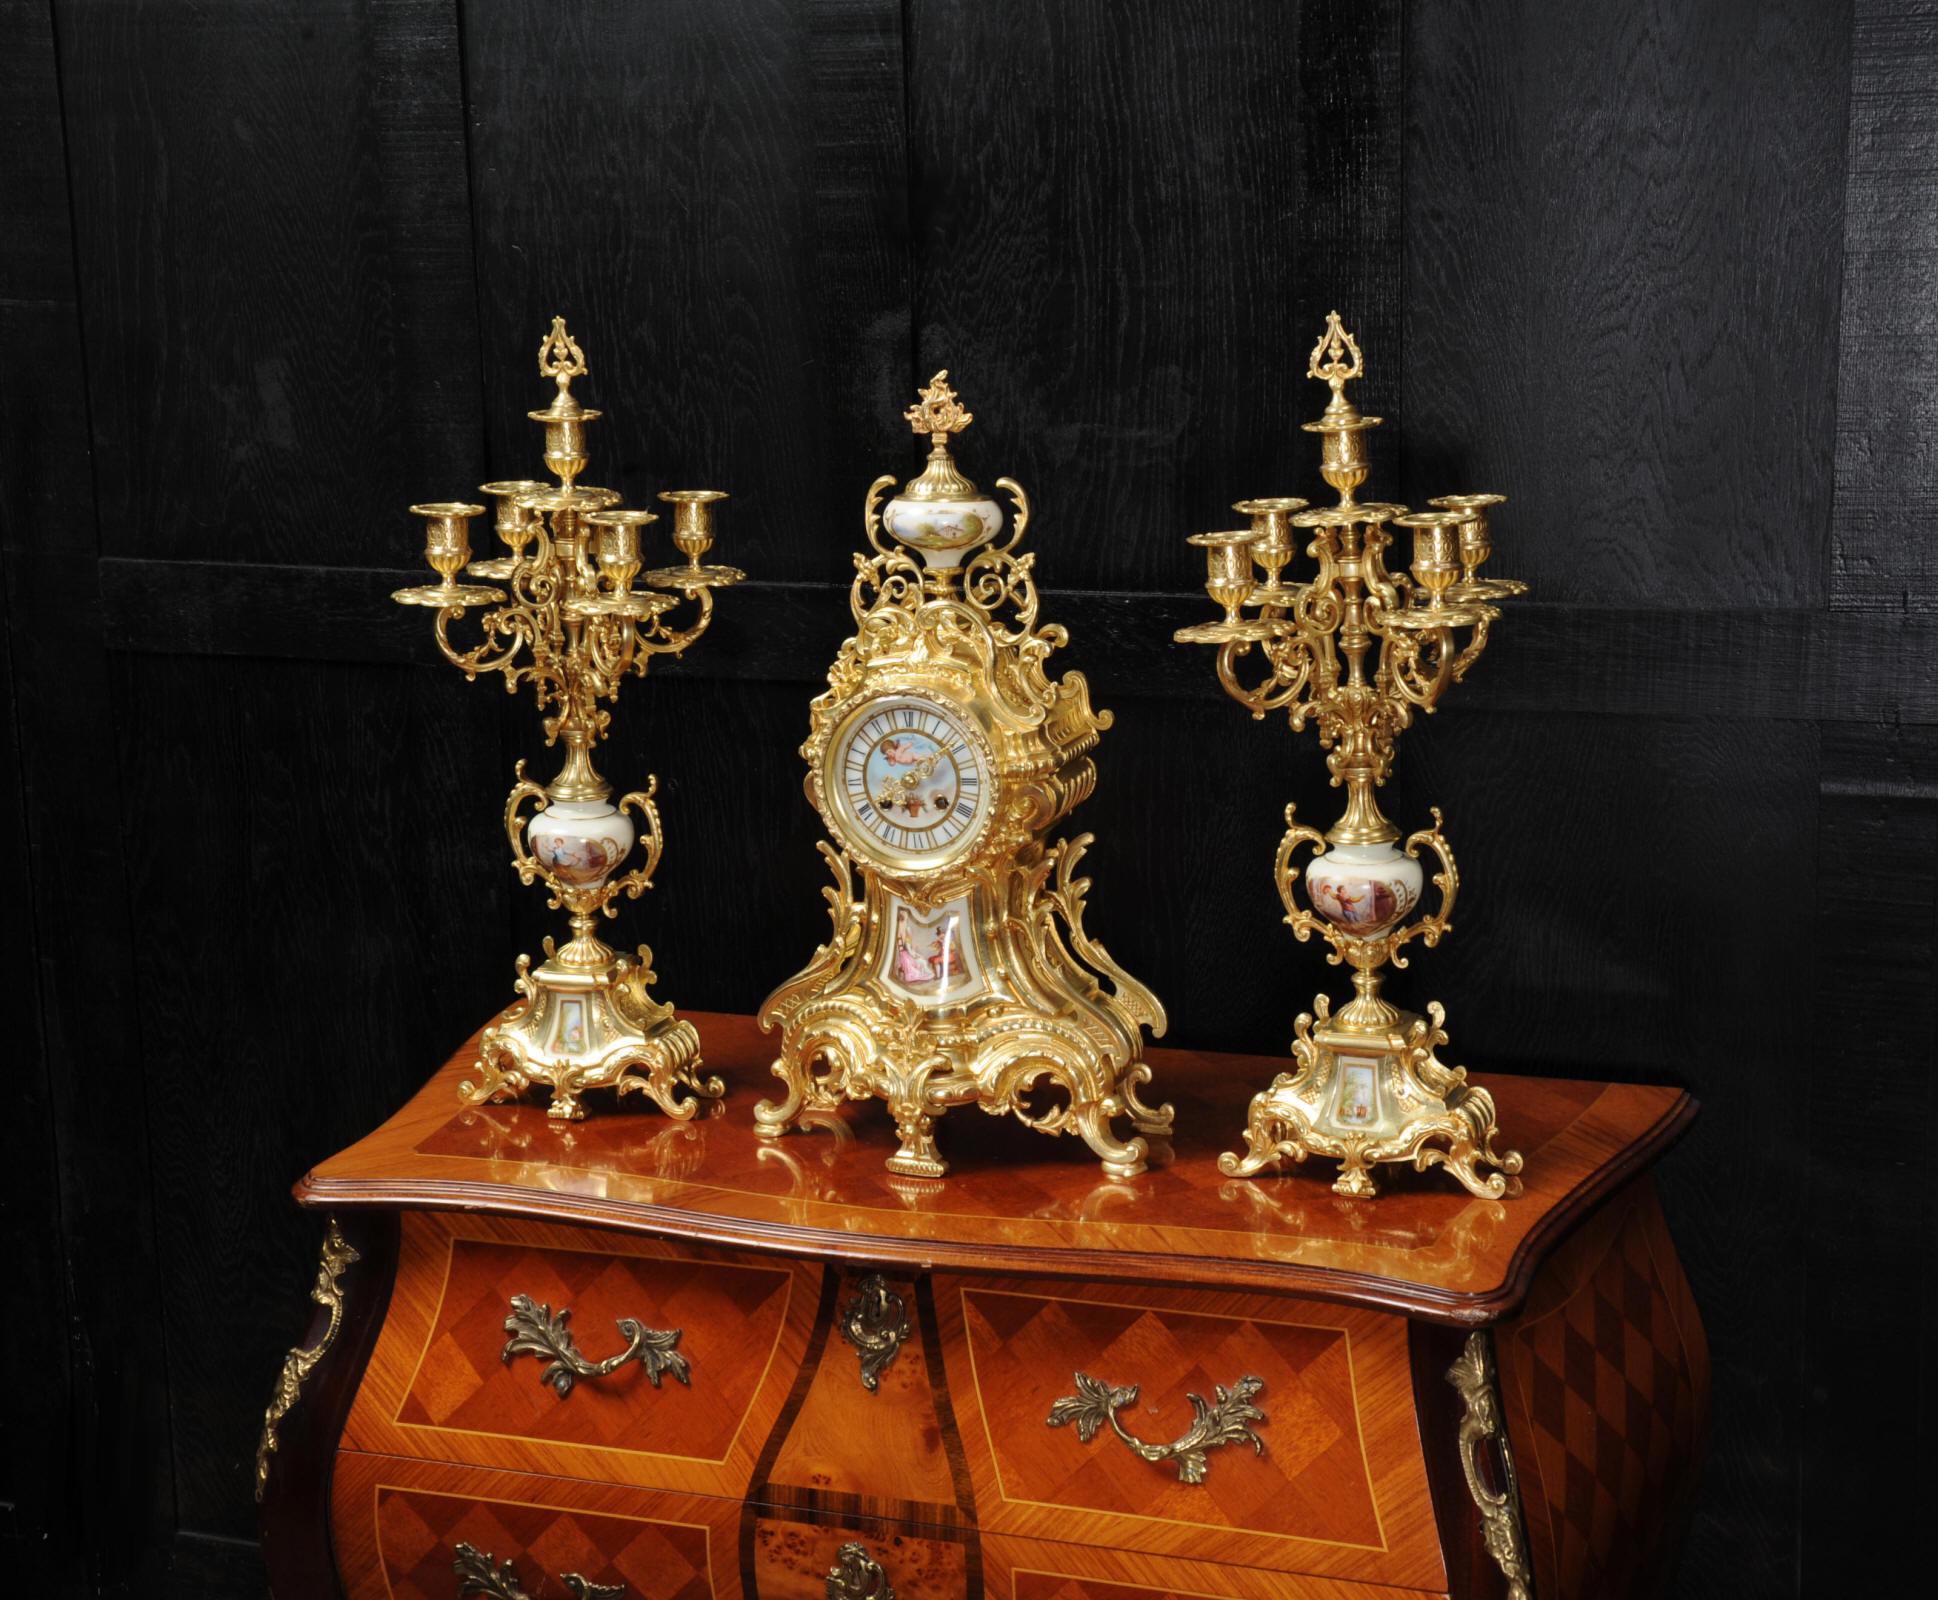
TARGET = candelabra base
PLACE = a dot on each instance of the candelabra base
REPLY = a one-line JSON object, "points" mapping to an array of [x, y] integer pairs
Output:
{"points": [[582, 1028], [1367, 1095]]}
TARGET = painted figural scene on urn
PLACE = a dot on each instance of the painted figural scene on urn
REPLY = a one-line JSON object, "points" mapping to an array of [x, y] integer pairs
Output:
{"points": [[940, 758], [1354, 650], [561, 613]]}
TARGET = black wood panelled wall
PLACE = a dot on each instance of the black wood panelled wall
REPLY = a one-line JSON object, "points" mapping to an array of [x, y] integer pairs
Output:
{"points": [[271, 270]]}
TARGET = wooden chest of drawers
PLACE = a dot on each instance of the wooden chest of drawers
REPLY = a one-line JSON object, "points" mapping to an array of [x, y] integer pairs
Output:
{"points": [[558, 1361]]}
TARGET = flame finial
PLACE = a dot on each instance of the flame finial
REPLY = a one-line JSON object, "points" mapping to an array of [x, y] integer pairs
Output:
{"points": [[939, 414]]}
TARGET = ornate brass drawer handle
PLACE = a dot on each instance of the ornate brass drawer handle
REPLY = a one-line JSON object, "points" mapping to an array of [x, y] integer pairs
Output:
{"points": [[1096, 1403], [857, 1576], [875, 1322], [536, 1331], [478, 1574]]}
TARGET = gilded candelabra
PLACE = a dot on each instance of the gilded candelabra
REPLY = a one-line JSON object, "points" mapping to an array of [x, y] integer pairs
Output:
{"points": [[1356, 650], [570, 622]]}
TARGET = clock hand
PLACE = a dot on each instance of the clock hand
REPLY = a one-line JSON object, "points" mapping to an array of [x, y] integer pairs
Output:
{"points": [[898, 789]]}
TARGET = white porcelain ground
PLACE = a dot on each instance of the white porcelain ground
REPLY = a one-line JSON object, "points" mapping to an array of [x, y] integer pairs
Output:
{"points": [[1364, 889], [581, 843]]}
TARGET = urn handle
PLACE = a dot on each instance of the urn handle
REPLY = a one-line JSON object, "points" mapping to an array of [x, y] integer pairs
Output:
{"points": [[1224, 1421], [536, 1330]]}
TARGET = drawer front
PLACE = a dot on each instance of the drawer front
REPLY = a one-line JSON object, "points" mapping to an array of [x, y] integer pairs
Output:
{"points": [[794, 1560], [1029, 1569], [1339, 1487], [439, 1385], [401, 1526]]}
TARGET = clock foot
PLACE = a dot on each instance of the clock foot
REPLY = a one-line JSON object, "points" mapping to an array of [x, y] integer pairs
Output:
{"points": [[918, 1156]]}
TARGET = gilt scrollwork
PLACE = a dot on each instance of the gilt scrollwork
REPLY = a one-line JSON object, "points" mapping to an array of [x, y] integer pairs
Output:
{"points": [[479, 1573], [575, 616], [536, 1330], [856, 1575], [1472, 1376], [1226, 1420], [337, 1258], [875, 1322], [1354, 650]]}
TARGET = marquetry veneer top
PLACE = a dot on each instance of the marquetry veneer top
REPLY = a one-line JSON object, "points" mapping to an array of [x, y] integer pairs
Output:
{"points": [[1018, 1201]]}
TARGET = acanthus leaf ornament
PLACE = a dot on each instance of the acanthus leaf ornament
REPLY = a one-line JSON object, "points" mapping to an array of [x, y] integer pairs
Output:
{"points": [[1355, 650], [875, 1322], [1226, 1420], [537, 1330], [1472, 1376], [338, 1257], [856, 1575], [941, 757], [562, 615], [482, 1575]]}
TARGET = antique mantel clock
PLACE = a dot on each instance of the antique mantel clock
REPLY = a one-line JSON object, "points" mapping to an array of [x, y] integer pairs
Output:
{"points": [[940, 758]]}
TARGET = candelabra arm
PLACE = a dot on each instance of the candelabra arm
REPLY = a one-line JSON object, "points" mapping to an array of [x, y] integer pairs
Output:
{"points": [[613, 651], [1275, 692], [1401, 660], [1475, 645], [1447, 880], [1304, 923], [498, 623], [651, 840], [660, 640]]}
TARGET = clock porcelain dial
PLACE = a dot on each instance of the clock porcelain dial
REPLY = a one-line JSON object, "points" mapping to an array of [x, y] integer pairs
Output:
{"points": [[907, 782]]}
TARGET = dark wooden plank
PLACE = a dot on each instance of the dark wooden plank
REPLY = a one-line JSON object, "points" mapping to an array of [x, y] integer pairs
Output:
{"points": [[1638, 898], [1887, 459], [1351, 227], [38, 1524], [1738, 665], [1871, 1249], [1108, 205], [89, 1398], [316, 864], [1622, 258], [36, 1533], [270, 211], [737, 336]]}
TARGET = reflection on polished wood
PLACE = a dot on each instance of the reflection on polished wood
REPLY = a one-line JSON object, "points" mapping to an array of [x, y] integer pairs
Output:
{"points": [[1015, 1202], [782, 1266]]}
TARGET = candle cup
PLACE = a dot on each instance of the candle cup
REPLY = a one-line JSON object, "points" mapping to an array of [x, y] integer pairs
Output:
{"points": [[1271, 521], [1436, 550], [515, 522], [1476, 542], [447, 536], [1228, 568], [615, 544], [692, 521]]}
